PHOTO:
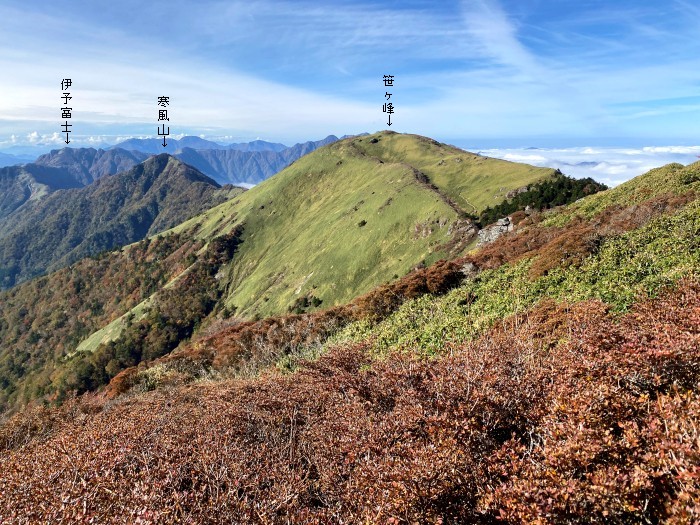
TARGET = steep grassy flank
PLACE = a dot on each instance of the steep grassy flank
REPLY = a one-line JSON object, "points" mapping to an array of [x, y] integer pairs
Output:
{"points": [[314, 238], [114, 329], [353, 215], [617, 266]]}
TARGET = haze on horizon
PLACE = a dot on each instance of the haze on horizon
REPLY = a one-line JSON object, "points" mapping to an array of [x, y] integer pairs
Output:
{"points": [[537, 72]]}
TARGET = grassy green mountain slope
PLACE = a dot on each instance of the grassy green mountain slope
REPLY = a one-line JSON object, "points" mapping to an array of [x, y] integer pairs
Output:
{"points": [[353, 215], [552, 376], [472, 181], [643, 238], [65, 226]]}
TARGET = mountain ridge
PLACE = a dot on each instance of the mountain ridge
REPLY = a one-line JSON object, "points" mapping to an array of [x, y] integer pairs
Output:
{"points": [[333, 225], [87, 165], [68, 225], [246, 163], [339, 187], [28, 182], [155, 146]]}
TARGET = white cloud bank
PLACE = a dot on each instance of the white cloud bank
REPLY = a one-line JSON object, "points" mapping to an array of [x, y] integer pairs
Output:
{"points": [[611, 166]]}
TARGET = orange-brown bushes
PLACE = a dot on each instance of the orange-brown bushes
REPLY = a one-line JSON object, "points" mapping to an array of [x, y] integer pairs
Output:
{"points": [[121, 383], [619, 442], [255, 344], [568, 249], [40, 422], [436, 279], [518, 217], [561, 415], [569, 245]]}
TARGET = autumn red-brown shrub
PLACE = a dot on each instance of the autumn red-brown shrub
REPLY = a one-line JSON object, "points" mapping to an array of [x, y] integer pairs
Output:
{"points": [[569, 245], [564, 414]]}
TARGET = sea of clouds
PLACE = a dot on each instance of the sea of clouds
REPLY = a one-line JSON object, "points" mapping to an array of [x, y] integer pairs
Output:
{"points": [[608, 165]]}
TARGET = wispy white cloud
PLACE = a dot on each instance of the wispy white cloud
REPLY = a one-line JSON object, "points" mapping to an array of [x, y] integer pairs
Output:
{"points": [[495, 36], [215, 98], [299, 69]]}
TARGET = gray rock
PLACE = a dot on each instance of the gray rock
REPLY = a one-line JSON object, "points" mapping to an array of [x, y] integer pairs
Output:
{"points": [[515, 192], [470, 270], [493, 232]]}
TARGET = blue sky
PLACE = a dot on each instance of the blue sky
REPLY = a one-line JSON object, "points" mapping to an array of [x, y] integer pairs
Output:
{"points": [[477, 72]]}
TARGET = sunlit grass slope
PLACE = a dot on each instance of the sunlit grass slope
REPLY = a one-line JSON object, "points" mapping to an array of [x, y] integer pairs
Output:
{"points": [[352, 215], [471, 180]]}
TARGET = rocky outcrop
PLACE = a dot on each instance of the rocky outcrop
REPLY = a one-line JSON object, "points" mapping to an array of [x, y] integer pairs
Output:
{"points": [[517, 191], [494, 231]]}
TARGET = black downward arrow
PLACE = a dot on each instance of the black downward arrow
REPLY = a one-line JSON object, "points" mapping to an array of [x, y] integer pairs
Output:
{"points": [[67, 141], [164, 144], [389, 123]]}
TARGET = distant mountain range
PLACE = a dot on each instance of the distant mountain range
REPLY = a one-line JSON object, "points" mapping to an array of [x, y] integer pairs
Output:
{"points": [[155, 146], [61, 227], [7, 159], [173, 145], [245, 163], [238, 164], [257, 145]]}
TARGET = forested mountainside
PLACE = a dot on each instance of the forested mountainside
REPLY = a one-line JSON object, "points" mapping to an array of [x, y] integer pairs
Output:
{"points": [[58, 170], [22, 184], [65, 226]]}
